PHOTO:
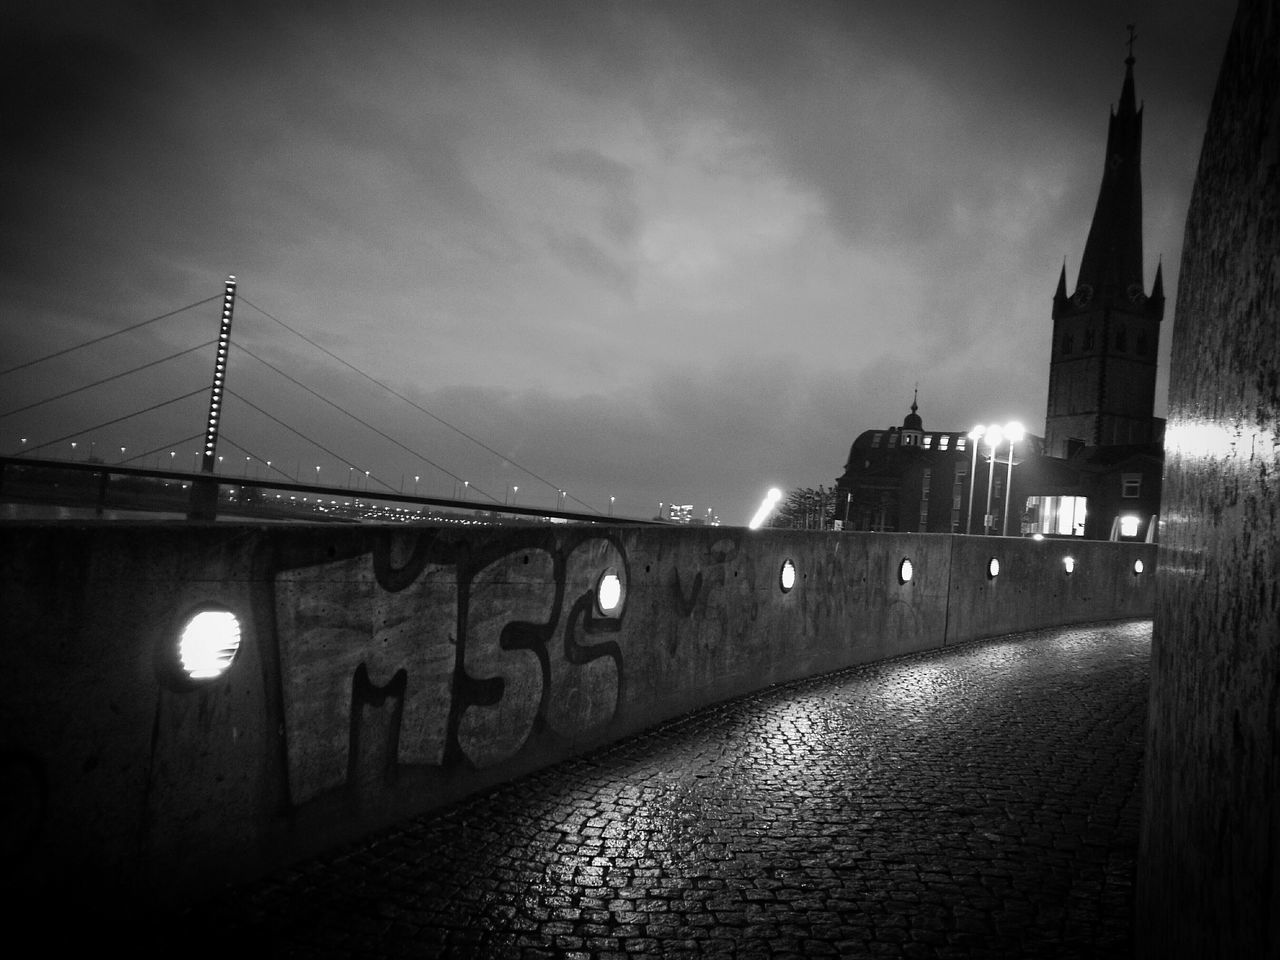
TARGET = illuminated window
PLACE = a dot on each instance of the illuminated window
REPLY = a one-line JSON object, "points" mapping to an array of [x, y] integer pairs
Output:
{"points": [[1129, 525]]}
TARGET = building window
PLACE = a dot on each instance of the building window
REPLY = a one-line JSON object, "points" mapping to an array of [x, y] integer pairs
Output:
{"points": [[960, 441], [1057, 516], [928, 439], [875, 439], [1088, 339], [943, 441], [1131, 485], [893, 439], [1066, 343]]}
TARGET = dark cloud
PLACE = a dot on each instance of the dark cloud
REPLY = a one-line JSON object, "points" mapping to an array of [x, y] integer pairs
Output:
{"points": [[662, 249]]}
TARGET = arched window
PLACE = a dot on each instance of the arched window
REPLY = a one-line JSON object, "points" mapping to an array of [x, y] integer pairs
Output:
{"points": [[1066, 343]]}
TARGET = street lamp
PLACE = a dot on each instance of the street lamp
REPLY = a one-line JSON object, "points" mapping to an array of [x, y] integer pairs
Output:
{"points": [[1014, 432], [515, 492], [975, 435], [991, 437], [611, 499], [415, 484], [122, 455], [73, 450]]}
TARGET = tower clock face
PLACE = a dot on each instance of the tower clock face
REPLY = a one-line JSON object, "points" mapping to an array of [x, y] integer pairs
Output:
{"points": [[1134, 292], [1084, 294]]}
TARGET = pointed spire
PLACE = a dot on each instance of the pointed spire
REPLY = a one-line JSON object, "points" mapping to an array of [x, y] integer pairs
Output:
{"points": [[1157, 288], [1061, 293], [1112, 261]]}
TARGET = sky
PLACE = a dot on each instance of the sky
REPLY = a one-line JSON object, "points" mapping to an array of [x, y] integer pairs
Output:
{"points": [[656, 251]]}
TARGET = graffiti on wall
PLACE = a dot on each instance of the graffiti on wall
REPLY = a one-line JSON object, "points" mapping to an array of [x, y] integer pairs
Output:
{"points": [[433, 652]]}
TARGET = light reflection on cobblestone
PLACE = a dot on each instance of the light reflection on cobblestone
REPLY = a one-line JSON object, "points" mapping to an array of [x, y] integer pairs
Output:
{"points": [[978, 802]]}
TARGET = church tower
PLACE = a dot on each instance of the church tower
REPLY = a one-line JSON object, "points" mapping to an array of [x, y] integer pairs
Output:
{"points": [[1106, 333]]}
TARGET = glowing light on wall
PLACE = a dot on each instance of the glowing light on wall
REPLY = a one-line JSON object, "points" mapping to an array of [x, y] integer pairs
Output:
{"points": [[766, 507], [1069, 565], [905, 570], [787, 576], [993, 568], [609, 593], [208, 644]]}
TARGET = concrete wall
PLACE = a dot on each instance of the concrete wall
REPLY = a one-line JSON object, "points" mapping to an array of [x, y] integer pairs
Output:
{"points": [[1209, 859], [385, 671]]}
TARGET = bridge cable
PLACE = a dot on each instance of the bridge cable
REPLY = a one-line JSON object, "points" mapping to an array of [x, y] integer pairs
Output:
{"points": [[116, 376], [107, 336], [274, 469], [165, 446], [108, 423], [363, 423], [416, 406], [309, 440]]}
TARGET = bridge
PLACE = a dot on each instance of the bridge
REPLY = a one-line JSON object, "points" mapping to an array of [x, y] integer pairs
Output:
{"points": [[349, 677]]}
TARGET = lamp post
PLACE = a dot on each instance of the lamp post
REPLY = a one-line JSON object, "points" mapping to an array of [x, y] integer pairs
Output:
{"points": [[975, 435], [992, 437], [416, 478], [1014, 433]]}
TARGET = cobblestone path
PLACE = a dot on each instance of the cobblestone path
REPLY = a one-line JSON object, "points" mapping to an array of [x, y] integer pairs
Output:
{"points": [[978, 802]]}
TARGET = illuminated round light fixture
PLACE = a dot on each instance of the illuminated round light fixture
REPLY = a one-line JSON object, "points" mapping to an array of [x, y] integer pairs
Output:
{"points": [[208, 644], [1069, 565], [1137, 567], [905, 570], [993, 568], [609, 593], [787, 576]]}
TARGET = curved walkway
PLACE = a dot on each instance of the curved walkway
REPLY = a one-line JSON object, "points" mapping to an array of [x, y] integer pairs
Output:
{"points": [[977, 802]]}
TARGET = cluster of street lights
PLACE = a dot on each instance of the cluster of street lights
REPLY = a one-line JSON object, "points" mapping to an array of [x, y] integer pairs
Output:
{"points": [[992, 436]]}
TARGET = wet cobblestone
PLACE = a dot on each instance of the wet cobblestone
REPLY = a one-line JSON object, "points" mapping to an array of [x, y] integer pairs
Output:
{"points": [[980, 802]]}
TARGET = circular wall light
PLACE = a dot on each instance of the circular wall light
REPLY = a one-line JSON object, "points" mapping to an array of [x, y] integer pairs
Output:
{"points": [[1137, 567], [1069, 565], [905, 570], [993, 568], [787, 576], [609, 593], [208, 644]]}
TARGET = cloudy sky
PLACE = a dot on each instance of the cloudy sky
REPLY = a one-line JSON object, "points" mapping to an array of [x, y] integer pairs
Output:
{"points": [[661, 251]]}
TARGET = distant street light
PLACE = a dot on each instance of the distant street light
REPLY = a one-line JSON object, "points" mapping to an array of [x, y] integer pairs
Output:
{"points": [[122, 455], [611, 499], [246, 465], [991, 438], [73, 449], [415, 484], [1014, 432], [975, 435], [515, 492]]}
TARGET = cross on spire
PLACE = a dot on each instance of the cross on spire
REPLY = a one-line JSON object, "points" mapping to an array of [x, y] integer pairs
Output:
{"points": [[1132, 37]]}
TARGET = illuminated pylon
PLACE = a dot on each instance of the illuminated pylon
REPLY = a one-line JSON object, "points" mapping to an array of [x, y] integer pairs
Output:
{"points": [[219, 379]]}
